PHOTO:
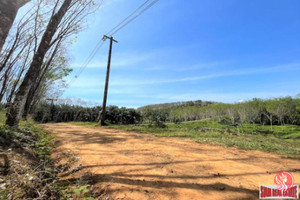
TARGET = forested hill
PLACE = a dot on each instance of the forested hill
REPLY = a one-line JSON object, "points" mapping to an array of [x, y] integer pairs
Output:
{"points": [[198, 103], [283, 110]]}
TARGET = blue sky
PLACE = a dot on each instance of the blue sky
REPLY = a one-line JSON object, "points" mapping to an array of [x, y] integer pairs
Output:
{"points": [[219, 50]]}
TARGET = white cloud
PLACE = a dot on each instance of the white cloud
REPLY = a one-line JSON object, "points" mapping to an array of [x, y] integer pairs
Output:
{"points": [[192, 67], [95, 81], [280, 68], [287, 67]]}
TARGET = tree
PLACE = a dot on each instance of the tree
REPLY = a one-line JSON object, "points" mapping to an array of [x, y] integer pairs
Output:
{"points": [[231, 113], [284, 109], [66, 19], [15, 57], [218, 110], [242, 110], [55, 62], [155, 116], [16, 109], [271, 106], [254, 110], [8, 12], [295, 118]]}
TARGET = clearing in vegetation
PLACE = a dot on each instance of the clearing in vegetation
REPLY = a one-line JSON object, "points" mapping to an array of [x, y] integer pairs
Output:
{"points": [[281, 139], [128, 165]]}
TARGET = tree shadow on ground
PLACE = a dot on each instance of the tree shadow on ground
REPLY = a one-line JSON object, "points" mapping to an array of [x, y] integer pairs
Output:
{"points": [[162, 184], [90, 138], [135, 177]]}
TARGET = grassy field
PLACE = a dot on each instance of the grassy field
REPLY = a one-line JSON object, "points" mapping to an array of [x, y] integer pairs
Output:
{"points": [[281, 139]]}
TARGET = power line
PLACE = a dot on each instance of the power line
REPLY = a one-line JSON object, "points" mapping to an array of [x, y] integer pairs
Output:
{"points": [[128, 17], [89, 59], [83, 66], [133, 18], [113, 31]]}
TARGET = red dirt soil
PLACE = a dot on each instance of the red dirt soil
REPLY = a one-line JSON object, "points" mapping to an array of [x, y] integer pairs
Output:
{"points": [[129, 165]]}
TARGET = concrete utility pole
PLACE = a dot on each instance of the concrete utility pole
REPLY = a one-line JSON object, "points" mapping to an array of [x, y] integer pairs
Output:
{"points": [[102, 114]]}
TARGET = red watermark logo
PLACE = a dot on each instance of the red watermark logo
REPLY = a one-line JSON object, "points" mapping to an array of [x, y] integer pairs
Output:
{"points": [[284, 188], [284, 180], [271, 192]]}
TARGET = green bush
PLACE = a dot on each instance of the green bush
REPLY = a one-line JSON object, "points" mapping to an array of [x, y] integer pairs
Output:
{"points": [[44, 112]]}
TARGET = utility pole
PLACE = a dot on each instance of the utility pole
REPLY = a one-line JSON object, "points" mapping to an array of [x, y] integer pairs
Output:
{"points": [[52, 109], [102, 113]]}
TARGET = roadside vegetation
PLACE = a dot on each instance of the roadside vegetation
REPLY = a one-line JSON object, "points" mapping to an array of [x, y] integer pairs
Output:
{"points": [[44, 112], [277, 111], [26, 168], [33, 63], [283, 140], [269, 125], [34, 59]]}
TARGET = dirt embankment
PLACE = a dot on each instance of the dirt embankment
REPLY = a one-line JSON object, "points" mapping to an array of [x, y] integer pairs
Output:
{"points": [[128, 165]]}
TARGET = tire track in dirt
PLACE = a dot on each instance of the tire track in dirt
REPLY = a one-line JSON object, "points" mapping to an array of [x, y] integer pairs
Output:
{"points": [[128, 165]]}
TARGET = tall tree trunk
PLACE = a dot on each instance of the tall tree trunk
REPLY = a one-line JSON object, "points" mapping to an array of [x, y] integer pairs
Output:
{"points": [[29, 100], [34, 88], [4, 83], [8, 12], [15, 110]]}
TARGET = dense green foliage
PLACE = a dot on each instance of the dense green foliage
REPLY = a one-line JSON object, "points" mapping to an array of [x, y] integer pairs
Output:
{"points": [[278, 111], [265, 112], [176, 104], [46, 112]]}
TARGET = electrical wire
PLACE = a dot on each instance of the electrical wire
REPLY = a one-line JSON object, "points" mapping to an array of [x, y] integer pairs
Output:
{"points": [[124, 20], [136, 13], [89, 59], [130, 20]]}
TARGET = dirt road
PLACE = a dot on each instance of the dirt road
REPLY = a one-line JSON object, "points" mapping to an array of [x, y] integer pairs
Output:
{"points": [[128, 165]]}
